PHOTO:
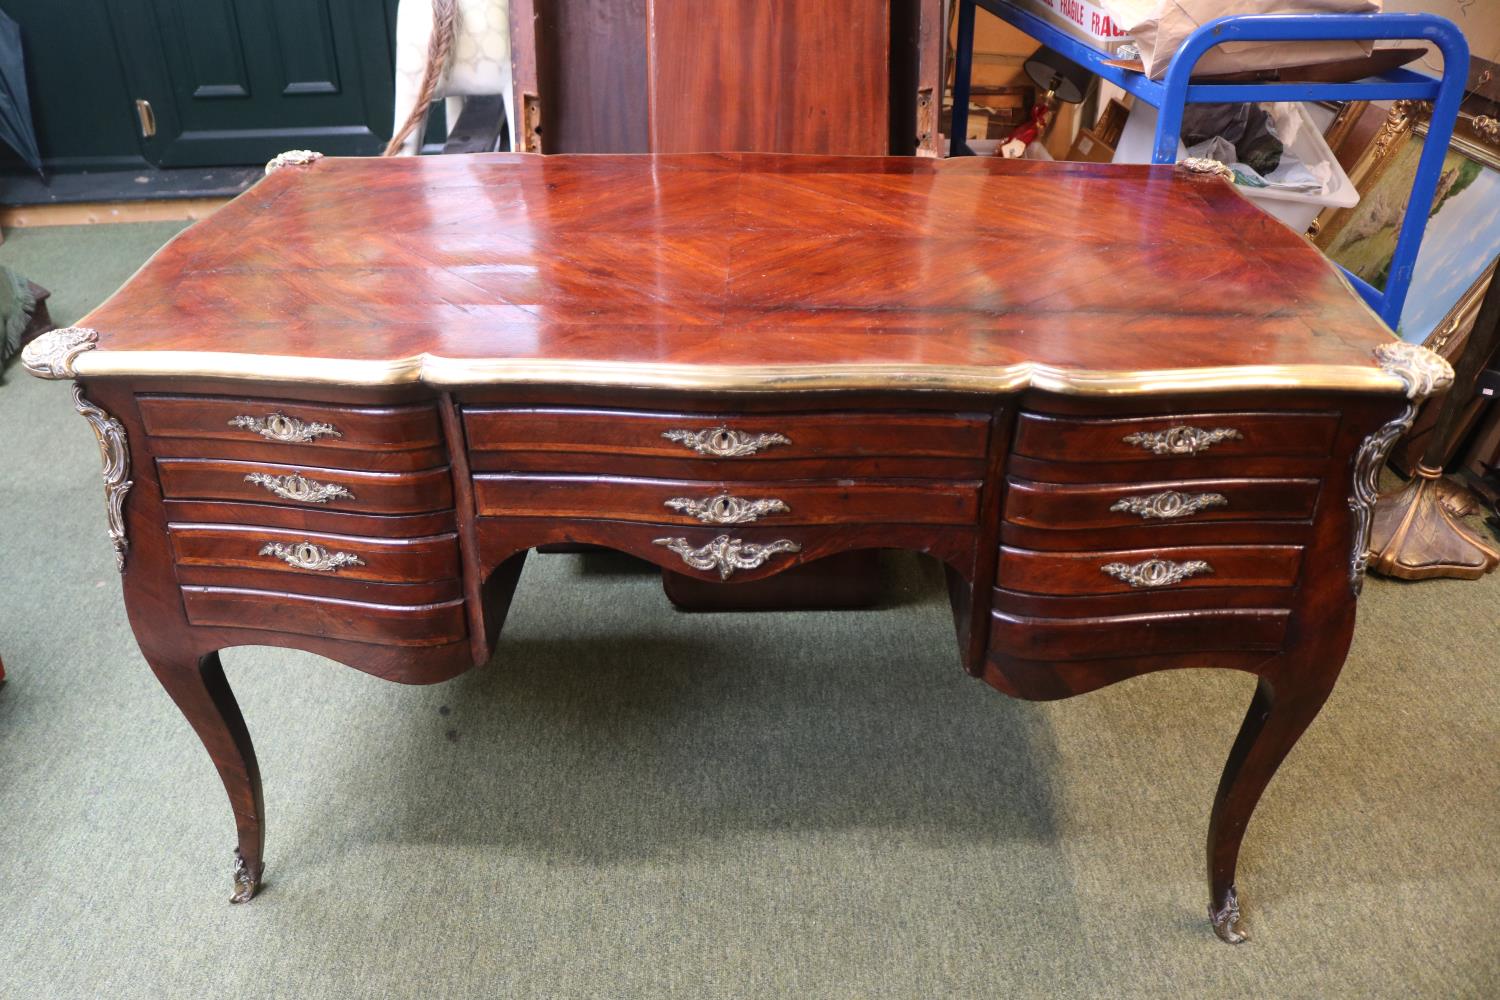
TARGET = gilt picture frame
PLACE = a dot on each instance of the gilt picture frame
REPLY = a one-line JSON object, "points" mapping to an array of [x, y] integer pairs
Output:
{"points": [[1463, 229]]}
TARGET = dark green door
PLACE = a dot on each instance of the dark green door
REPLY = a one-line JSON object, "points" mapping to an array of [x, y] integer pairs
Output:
{"points": [[238, 81]]}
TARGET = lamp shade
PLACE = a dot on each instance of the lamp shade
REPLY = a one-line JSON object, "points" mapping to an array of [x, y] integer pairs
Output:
{"points": [[1052, 71]]}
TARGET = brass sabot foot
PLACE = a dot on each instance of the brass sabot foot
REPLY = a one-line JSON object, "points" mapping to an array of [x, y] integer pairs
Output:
{"points": [[246, 881], [1226, 919]]}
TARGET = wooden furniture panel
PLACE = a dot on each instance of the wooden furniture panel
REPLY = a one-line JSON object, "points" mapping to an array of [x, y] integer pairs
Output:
{"points": [[1202, 631], [292, 423], [1222, 435], [531, 327], [591, 66], [779, 76], [296, 485], [742, 439], [1191, 567], [668, 501], [341, 556], [1175, 503], [311, 519], [397, 625]]}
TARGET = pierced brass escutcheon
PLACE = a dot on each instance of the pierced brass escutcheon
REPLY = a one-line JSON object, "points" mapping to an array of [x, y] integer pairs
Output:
{"points": [[722, 442], [1155, 572], [1182, 439], [727, 509], [1168, 505], [287, 430], [307, 555], [295, 486]]}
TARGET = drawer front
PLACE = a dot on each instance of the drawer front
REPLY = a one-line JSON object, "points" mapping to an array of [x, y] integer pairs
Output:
{"points": [[725, 437], [384, 624], [1146, 439], [670, 501], [302, 486], [345, 557], [1092, 505], [1136, 635], [292, 424], [1145, 571]]}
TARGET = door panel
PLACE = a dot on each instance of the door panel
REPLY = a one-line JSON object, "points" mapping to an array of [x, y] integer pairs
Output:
{"points": [[304, 41], [238, 81]]}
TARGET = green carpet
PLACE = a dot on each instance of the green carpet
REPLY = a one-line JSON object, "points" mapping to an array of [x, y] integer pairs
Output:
{"points": [[635, 802]]}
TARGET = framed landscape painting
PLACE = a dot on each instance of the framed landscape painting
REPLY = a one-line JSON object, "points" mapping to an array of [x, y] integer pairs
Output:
{"points": [[1463, 225]]}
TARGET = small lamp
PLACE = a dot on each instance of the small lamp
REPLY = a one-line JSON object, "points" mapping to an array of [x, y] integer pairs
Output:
{"points": [[1060, 79]]}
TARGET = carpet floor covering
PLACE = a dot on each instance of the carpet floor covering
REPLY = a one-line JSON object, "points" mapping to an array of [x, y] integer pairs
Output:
{"points": [[630, 801]]}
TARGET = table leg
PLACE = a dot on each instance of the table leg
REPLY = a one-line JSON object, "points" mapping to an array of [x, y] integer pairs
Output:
{"points": [[1279, 713], [198, 686]]}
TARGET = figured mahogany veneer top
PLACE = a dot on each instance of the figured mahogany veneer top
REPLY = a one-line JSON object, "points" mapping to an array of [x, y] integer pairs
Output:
{"points": [[742, 272]]}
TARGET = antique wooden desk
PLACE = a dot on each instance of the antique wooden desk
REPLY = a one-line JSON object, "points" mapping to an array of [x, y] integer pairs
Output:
{"points": [[1139, 421]]}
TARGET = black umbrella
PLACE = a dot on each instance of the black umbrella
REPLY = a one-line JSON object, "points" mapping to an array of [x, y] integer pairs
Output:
{"points": [[16, 129]]}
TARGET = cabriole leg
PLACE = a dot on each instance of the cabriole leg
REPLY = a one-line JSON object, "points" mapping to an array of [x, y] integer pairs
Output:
{"points": [[1279, 713], [198, 687]]}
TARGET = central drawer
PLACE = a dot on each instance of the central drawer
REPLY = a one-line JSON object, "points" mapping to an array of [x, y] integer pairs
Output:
{"points": [[673, 501], [876, 444]]}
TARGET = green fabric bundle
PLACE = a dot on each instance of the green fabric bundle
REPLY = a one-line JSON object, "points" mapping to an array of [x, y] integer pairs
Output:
{"points": [[16, 306]]}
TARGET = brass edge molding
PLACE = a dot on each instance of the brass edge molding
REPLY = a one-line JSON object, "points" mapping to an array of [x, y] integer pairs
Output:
{"points": [[1422, 372], [456, 372], [53, 354], [114, 455]]}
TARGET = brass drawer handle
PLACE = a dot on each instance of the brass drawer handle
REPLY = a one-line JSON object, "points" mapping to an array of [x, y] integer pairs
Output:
{"points": [[295, 486], [1182, 439], [1168, 505], [721, 442], [1155, 572], [288, 430], [727, 509], [727, 554], [306, 555]]}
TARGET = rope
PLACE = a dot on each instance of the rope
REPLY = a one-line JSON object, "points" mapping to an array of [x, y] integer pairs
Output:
{"points": [[439, 46]]}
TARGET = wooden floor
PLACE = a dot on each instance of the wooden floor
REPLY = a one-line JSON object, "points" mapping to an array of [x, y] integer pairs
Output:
{"points": [[92, 213]]}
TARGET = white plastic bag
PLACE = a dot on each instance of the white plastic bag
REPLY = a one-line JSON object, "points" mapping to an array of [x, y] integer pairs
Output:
{"points": [[1159, 28]]}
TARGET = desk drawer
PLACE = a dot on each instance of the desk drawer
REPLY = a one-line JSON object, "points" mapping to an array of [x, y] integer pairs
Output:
{"points": [[1184, 436], [359, 621], [1145, 571], [748, 439], [672, 501], [1072, 506], [284, 424], [1101, 638], [303, 486], [343, 557]]}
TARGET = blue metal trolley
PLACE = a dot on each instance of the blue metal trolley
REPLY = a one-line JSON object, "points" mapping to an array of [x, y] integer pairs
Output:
{"points": [[1176, 89]]}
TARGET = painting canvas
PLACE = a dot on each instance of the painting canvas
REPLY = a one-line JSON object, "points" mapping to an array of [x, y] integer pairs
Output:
{"points": [[1462, 237]]}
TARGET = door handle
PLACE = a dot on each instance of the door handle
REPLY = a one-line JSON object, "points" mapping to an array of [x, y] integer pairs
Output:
{"points": [[147, 117]]}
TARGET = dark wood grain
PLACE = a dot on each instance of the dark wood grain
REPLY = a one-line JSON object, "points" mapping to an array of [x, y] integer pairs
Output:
{"points": [[778, 76], [743, 259], [362, 492], [806, 502]]}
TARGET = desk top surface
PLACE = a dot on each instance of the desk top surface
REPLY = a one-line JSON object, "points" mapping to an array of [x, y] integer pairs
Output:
{"points": [[742, 272]]}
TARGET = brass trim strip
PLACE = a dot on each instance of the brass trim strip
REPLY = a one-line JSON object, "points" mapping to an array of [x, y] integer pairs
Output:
{"points": [[439, 371]]}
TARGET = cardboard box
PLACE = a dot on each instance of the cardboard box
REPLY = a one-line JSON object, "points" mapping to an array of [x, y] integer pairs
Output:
{"points": [[1082, 19]]}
